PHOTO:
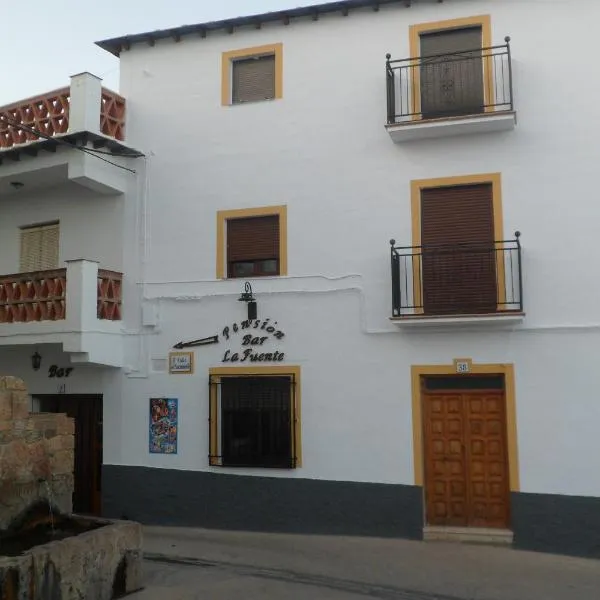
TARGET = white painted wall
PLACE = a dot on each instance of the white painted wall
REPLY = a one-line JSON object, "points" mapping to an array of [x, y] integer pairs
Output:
{"points": [[323, 151], [91, 225]]}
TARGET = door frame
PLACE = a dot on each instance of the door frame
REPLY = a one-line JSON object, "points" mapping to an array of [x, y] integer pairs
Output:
{"points": [[418, 371], [414, 37]]}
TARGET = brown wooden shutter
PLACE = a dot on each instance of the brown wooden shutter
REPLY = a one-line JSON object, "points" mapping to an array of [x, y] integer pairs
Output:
{"points": [[459, 257], [254, 238], [49, 247], [39, 248], [253, 79], [30, 249], [451, 40], [452, 84]]}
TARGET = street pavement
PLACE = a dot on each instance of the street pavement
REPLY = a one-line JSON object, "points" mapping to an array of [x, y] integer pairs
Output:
{"points": [[194, 564]]}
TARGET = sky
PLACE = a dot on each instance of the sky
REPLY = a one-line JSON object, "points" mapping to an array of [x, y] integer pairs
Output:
{"points": [[44, 42]]}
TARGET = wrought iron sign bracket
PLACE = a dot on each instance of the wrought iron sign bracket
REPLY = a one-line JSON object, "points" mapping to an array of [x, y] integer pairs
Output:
{"points": [[213, 339]]}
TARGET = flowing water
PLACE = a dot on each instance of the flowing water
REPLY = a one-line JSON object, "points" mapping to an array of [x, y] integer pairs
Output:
{"points": [[50, 502], [43, 525]]}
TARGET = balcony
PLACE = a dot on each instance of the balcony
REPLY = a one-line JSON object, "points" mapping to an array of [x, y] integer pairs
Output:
{"points": [[457, 285], [78, 307], [453, 94], [39, 136]]}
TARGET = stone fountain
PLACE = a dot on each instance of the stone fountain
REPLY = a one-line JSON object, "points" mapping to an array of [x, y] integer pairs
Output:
{"points": [[46, 552]]}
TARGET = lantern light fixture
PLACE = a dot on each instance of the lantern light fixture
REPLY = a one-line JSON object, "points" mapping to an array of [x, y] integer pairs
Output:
{"points": [[248, 297], [36, 361]]}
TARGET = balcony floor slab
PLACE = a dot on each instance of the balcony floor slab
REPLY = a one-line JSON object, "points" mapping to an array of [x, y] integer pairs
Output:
{"points": [[496, 321], [414, 130]]}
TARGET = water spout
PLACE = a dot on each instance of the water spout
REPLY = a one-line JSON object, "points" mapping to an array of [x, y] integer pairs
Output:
{"points": [[50, 501]]}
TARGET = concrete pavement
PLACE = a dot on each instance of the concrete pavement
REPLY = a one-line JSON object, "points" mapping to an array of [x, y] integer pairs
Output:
{"points": [[185, 564]]}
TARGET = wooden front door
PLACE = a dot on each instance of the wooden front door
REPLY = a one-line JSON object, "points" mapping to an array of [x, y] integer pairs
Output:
{"points": [[87, 413], [466, 461], [458, 250]]}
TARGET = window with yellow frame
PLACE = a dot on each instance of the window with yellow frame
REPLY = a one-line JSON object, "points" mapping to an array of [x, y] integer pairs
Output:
{"points": [[452, 68], [255, 417], [252, 74], [248, 259]]}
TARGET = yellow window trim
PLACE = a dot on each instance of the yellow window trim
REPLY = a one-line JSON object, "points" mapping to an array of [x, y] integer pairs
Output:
{"points": [[241, 213], [418, 185], [228, 57], [292, 371], [415, 32], [418, 371]]}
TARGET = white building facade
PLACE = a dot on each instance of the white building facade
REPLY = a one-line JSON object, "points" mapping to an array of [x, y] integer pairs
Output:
{"points": [[440, 385]]}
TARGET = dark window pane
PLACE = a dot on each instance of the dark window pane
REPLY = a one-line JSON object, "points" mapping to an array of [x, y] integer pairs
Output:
{"points": [[240, 428], [465, 382], [257, 268], [269, 266], [242, 269], [256, 428]]}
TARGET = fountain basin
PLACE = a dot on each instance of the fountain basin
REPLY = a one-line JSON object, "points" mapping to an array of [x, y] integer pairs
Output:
{"points": [[47, 553], [95, 559]]}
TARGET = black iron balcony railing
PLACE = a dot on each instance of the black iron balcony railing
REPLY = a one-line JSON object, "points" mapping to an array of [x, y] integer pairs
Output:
{"points": [[463, 83], [457, 279]]}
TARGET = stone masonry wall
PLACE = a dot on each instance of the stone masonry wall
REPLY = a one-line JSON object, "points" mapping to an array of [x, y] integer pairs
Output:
{"points": [[36, 455]]}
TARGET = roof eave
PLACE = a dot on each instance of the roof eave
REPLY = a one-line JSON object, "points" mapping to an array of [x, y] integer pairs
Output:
{"points": [[116, 45]]}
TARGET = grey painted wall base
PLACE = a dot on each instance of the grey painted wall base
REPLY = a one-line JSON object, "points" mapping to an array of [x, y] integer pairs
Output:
{"points": [[238, 502], [557, 523]]}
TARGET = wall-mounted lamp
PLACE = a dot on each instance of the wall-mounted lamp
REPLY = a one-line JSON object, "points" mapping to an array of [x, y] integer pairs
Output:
{"points": [[36, 361], [248, 297]]}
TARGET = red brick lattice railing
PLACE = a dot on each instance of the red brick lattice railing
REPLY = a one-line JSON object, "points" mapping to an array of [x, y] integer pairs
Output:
{"points": [[110, 284], [39, 296], [48, 113], [112, 115]]}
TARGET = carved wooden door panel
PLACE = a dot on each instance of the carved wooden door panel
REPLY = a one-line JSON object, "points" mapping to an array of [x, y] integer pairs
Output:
{"points": [[466, 463], [445, 463], [487, 458]]}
